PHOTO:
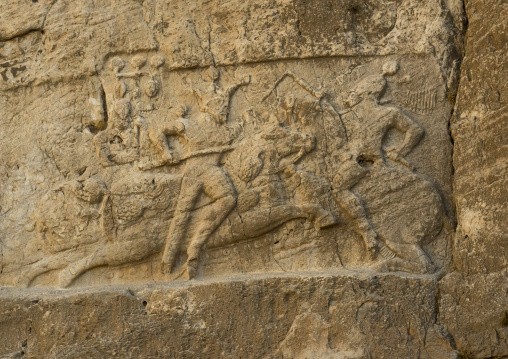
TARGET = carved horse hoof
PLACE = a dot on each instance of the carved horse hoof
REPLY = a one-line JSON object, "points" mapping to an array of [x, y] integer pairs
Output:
{"points": [[386, 252], [401, 265], [22, 281], [326, 220], [166, 268], [321, 217], [191, 268], [65, 278]]}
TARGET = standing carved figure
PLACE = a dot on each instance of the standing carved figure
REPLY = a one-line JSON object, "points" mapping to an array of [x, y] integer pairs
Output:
{"points": [[202, 175], [157, 134], [214, 101]]}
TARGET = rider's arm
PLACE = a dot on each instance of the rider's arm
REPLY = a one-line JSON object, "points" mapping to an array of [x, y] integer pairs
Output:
{"points": [[413, 132], [231, 89]]}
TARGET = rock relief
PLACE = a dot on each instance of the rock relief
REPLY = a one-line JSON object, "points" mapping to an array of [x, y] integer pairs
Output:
{"points": [[225, 170]]}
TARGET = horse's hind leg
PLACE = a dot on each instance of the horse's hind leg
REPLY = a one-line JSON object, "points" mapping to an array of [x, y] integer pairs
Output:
{"points": [[110, 255], [190, 191], [52, 262], [208, 225]]}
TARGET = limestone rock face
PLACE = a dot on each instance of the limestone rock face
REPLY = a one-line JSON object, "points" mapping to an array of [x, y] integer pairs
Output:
{"points": [[481, 148], [153, 142], [322, 316], [475, 302], [266, 178]]}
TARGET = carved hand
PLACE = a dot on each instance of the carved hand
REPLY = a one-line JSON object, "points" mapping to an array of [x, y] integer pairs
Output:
{"points": [[394, 154], [179, 127]]}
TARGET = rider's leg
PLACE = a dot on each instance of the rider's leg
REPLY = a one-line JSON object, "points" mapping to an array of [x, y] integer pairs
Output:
{"points": [[354, 208], [217, 186], [190, 190], [213, 218]]}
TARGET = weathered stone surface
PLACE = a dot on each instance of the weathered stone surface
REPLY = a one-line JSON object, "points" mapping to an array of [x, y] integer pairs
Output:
{"points": [[474, 302], [236, 178], [323, 316], [474, 310], [63, 39], [481, 143], [147, 141]]}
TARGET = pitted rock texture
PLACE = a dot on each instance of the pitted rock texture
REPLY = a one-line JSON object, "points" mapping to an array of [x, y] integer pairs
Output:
{"points": [[147, 141], [324, 316], [265, 179], [473, 306], [473, 309], [481, 146]]}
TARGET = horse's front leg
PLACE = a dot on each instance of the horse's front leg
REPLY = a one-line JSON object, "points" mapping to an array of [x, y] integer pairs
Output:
{"points": [[213, 219]]}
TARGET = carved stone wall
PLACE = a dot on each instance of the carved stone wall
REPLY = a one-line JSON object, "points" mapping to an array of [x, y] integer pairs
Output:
{"points": [[269, 178]]}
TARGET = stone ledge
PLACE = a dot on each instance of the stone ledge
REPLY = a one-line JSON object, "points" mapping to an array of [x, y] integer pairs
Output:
{"points": [[474, 310], [345, 315]]}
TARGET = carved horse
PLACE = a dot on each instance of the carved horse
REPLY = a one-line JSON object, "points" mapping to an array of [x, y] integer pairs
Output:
{"points": [[137, 210], [396, 209]]}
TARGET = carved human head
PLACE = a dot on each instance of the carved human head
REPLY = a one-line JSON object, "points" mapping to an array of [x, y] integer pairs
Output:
{"points": [[93, 190], [157, 61], [372, 87], [390, 68], [138, 62], [309, 142], [116, 64], [151, 88]]}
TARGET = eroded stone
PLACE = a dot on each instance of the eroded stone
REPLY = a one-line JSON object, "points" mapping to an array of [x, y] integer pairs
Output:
{"points": [[235, 179]]}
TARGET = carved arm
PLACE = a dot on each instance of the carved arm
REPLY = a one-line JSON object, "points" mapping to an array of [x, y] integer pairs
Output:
{"points": [[231, 89], [413, 133]]}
